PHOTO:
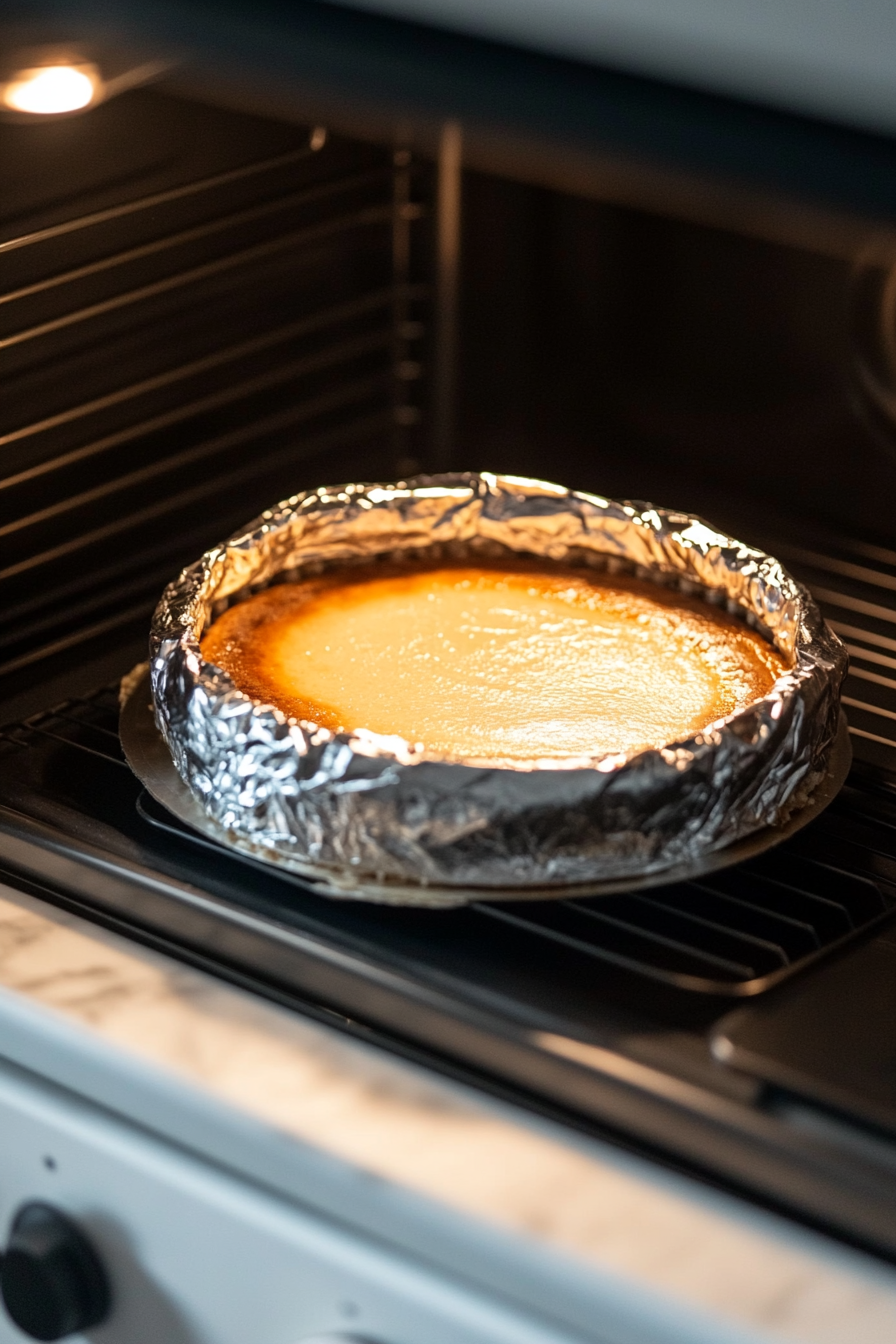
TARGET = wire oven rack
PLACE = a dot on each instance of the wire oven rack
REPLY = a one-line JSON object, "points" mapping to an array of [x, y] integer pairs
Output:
{"points": [[734, 933]]}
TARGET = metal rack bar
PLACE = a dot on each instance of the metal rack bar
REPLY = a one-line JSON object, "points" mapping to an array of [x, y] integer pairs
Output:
{"points": [[161, 197], [720, 899], [206, 230], [867, 636], [80, 636], [734, 969], [317, 362], [736, 903], [94, 727], [141, 560], [81, 746], [870, 656], [712, 927], [872, 737], [869, 709], [143, 581], [856, 604], [874, 677], [832, 565], [305, 326], [445, 317], [366, 217], [280, 420]]}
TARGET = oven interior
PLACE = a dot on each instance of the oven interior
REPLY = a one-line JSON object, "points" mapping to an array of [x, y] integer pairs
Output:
{"points": [[204, 310]]}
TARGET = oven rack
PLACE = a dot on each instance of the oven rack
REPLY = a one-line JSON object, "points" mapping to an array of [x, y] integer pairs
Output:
{"points": [[855, 585], [733, 933]]}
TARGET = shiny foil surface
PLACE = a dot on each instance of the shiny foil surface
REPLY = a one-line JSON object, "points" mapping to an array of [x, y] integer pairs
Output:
{"points": [[373, 808]]}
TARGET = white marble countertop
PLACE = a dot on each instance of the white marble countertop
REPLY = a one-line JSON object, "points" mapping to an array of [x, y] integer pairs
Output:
{"points": [[76, 1000]]}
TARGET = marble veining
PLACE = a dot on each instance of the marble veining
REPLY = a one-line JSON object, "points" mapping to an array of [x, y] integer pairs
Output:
{"points": [[402, 1125]]}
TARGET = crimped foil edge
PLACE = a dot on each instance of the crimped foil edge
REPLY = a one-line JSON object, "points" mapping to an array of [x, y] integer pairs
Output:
{"points": [[371, 805]]}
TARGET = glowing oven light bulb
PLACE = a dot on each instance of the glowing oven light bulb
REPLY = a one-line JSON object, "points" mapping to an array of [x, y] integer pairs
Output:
{"points": [[50, 89]]}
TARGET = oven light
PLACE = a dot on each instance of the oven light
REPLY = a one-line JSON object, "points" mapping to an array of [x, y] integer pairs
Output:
{"points": [[48, 90]]}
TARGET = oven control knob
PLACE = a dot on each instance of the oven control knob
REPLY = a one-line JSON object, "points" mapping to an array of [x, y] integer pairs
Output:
{"points": [[51, 1280]]}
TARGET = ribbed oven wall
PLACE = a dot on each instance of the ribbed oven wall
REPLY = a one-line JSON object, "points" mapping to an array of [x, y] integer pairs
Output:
{"points": [[200, 312]]}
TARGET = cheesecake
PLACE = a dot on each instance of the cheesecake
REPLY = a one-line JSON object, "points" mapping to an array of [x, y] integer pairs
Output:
{"points": [[504, 664]]}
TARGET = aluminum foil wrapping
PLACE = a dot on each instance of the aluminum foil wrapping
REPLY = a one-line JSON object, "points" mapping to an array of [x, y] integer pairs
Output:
{"points": [[358, 803]]}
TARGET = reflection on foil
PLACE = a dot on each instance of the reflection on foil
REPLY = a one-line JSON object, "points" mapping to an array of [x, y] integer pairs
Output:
{"points": [[293, 792]]}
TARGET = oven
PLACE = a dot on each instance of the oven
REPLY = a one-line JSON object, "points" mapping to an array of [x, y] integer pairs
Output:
{"points": [[304, 245]]}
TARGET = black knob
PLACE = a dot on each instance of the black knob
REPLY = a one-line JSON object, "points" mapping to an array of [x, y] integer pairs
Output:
{"points": [[50, 1277]]}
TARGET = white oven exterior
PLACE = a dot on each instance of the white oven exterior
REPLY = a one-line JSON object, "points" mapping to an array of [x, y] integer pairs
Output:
{"points": [[251, 1177], [196, 1254]]}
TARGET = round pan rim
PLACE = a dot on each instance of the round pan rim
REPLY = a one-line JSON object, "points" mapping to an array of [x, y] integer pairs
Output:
{"points": [[752, 766]]}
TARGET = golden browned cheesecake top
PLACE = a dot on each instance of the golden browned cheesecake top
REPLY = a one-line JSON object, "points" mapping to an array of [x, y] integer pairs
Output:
{"points": [[500, 663]]}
